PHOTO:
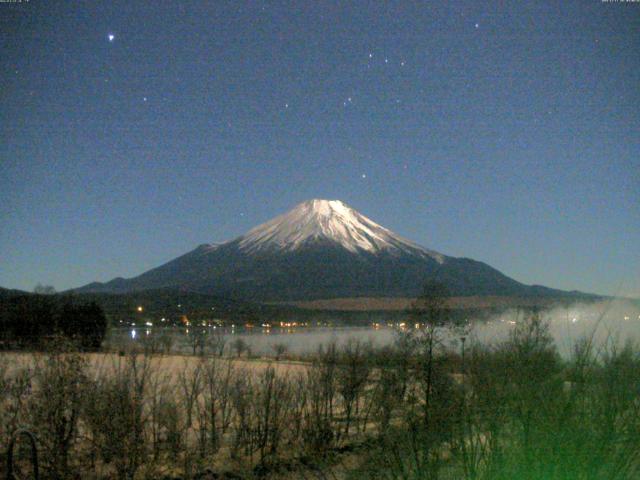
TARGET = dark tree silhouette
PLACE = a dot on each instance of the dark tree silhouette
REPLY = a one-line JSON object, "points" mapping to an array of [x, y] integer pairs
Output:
{"points": [[31, 320]]}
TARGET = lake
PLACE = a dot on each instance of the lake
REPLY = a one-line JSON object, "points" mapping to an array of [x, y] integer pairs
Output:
{"points": [[616, 321]]}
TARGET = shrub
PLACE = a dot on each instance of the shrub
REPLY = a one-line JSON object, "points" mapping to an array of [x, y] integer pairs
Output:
{"points": [[56, 405]]}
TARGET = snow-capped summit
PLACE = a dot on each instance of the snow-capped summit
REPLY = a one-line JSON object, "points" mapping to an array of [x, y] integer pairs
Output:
{"points": [[327, 220]]}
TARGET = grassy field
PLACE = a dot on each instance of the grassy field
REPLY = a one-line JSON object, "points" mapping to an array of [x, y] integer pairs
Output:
{"points": [[169, 364], [369, 304]]}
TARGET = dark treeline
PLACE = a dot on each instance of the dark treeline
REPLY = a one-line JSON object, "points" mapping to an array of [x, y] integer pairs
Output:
{"points": [[30, 321]]}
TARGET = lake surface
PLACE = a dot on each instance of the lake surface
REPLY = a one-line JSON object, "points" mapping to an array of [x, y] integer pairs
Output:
{"points": [[616, 321]]}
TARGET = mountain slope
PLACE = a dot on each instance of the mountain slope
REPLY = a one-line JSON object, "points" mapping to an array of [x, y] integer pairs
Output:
{"points": [[319, 249]]}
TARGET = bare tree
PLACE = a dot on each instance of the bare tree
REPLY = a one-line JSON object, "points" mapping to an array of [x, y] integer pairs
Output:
{"points": [[431, 314], [41, 289], [429, 396], [352, 376], [240, 346], [115, 414], [270, 407], [241, 393], [57, 403], [321, 381], [16, 388], [279, 349], [162, 409], [217, 341], [215, 407], [190, 383], [198, 339], [166, 340]]}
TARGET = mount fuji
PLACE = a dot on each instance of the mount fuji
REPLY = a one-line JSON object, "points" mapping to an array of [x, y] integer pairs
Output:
{"points": [[318, 250]]}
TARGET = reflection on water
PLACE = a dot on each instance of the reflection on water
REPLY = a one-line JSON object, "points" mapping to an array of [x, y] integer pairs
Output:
{"points": [[617, 321]]}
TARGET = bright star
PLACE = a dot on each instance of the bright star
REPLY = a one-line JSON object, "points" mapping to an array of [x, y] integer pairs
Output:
{"points": [[364, 175], [111, 37], [477, 25]]}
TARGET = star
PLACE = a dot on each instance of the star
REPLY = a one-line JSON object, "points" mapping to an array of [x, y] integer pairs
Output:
{"points": [[477, 25], [364, 175], [144, 99], [111, 37], [371, 55], [286, 105]]}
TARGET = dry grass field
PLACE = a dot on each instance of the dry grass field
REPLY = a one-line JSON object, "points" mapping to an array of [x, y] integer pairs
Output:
{"points": [[364, 304], [168, 364]]}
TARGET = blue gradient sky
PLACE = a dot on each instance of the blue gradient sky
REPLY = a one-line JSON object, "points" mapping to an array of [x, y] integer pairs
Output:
{"points": [[507, 132]]}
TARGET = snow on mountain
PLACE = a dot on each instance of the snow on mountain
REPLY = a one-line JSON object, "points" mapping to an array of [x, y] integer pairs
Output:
{"points": [[328, 220]]}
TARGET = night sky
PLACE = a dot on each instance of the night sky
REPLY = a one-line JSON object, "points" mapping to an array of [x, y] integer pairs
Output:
{"points": [[508, 132]]}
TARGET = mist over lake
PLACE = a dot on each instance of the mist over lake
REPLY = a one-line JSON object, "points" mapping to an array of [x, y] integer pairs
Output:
{"points": [[615, 321]]}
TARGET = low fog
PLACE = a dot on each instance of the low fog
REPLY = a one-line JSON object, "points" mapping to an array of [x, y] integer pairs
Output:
{"points": [[609, 322], [614, 322]]}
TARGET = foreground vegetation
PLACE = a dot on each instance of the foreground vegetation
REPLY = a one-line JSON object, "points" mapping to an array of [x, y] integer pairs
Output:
{"points": [[416, 410]]}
